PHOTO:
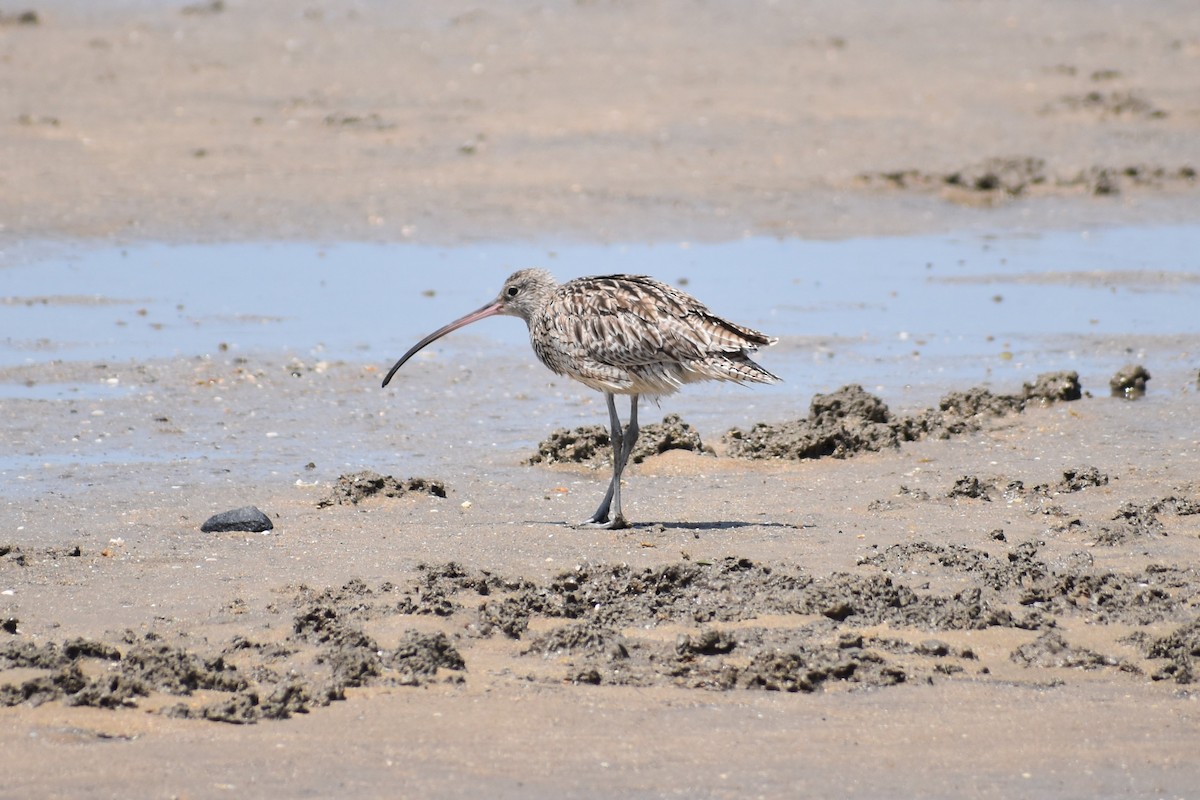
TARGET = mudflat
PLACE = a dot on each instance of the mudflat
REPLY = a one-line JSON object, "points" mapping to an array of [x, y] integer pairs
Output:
{"points": [[988, 595]]}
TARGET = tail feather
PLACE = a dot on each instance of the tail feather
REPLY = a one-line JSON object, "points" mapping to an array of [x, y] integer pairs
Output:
{"points": [[740, 368]]}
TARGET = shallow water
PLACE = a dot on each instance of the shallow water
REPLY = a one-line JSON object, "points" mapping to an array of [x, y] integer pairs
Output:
{"points": [[912, 315]]}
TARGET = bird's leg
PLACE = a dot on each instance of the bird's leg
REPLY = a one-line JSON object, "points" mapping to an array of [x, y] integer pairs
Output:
{"points": [[622, 444], [628, 439], [600, 518]]}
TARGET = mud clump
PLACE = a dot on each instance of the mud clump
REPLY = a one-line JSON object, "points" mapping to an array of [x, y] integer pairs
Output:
{"points": [[24, 556], [13, 554], [1154, 595], [420, 656], [1052, 387], [1019, 566], [851, 420], [1181, 649], [20, 18], [1008, 175], [1129, 382], [434, 591], [1133, 520], [709, 642], [839, 424], [805, 670], [898, 558], [49, 655], [356, 487], [1110, 104], [579, 638], [1078, 479], [584, 445], [973, 487], [164, 668], [1052, 650], [508, 616], [592, 444]]}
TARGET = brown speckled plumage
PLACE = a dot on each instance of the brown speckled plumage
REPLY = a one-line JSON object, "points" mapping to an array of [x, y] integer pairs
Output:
{"points": [[629, 334], [621, 334]]}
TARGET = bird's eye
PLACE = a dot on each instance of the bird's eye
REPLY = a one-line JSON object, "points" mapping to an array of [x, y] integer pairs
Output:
{"points": [[512, 291]]}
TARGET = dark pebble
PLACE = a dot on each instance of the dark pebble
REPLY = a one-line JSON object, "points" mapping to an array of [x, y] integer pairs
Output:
{"points": [[246, 518]]}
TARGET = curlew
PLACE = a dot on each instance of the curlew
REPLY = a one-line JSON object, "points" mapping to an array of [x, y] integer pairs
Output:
{"points": [[620, 334]]}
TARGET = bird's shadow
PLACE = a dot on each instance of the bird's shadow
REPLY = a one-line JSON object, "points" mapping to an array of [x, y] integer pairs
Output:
{"points": [[726, 525]]}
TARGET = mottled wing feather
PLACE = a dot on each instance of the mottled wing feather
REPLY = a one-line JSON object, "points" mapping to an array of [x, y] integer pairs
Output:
{"points": [[630, 333]]}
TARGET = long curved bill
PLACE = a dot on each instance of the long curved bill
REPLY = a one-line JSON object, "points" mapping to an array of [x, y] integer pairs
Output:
{"points": [[491, 309]]}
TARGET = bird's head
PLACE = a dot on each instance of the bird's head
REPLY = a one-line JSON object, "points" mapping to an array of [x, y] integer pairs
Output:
{"points": [[525, 291]]}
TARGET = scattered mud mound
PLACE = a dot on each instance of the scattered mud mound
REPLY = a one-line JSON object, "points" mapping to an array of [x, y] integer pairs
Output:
{"points": [[1109, 104], [324, 654], [591, 444], [1134, 520], [605, 606], [851, 420], [729, 625], [147, 665], [1073, 480], [995, 180], [839, 424], [1131, 521], [352, 489]]}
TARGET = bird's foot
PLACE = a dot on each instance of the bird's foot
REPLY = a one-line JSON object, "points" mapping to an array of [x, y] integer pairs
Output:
{"points": [[605, 523]]}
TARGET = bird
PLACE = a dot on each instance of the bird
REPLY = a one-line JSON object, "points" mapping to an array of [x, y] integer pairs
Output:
{"points": [[620, 334]]}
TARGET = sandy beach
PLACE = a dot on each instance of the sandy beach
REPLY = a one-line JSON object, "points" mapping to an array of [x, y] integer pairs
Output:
{"points": [[983, 586]]}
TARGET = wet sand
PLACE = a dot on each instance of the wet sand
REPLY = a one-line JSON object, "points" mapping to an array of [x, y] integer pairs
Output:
{"points": [[1003, 603], [602, 121]]}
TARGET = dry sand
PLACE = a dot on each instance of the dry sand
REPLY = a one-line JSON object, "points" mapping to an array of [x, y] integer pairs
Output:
{"points": [[1008, 611]]}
